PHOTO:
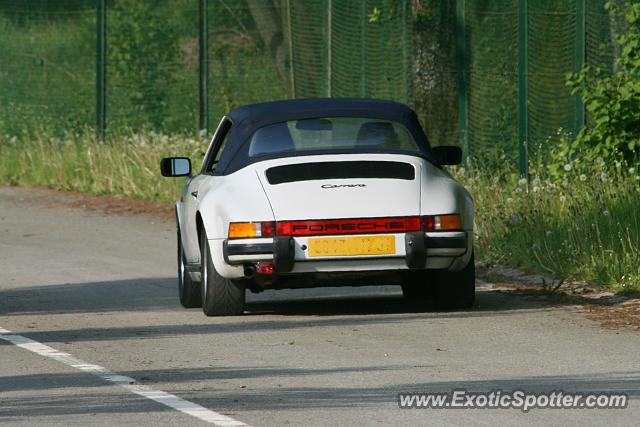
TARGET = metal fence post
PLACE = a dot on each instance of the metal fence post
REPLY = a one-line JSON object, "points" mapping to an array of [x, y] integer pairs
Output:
{"points": [[329, 43], [363, 47], [292, 71], [101, 62], [203, 60], [580, 59], [461, 47], [523, 86], [405, 56]]}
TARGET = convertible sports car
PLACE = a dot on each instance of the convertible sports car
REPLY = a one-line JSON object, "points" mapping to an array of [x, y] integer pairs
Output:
{"points": [[322, 192]]}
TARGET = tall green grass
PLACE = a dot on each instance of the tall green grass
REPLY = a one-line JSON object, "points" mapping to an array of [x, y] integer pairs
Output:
{"points": [[125, 165], [577, 227], [583, 226]]}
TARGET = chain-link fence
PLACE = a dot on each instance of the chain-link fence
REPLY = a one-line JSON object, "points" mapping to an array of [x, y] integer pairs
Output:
{"points": [[487, 74]]}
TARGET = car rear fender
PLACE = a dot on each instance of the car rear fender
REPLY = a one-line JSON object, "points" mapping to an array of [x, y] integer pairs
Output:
{"points": [[238, 197]]}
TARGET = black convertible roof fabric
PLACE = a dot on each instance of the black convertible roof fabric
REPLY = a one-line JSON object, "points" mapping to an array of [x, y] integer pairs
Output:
{"points": [[247, 119], [258, 115]]}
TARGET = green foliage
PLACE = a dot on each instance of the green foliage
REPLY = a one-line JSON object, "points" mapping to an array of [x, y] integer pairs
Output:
{"points": [[575, 226], [612, 101], [141, 46], [47, 66], [126, 166]]}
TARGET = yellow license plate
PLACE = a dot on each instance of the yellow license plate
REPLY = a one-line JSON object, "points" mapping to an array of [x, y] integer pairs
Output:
{"points": [[352, 245]]}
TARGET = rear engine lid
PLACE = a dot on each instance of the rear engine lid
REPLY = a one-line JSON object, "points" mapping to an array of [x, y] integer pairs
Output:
{"points": [[334, 188]]}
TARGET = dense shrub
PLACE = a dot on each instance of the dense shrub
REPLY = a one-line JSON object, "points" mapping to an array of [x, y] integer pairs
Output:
{"points": [[612, 102]]}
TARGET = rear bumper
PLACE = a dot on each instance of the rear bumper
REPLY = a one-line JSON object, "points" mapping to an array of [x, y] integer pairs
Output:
{"points": [[415, 250]]}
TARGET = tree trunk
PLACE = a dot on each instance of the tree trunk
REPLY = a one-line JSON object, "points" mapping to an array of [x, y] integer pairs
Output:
{"points": [[269, 25]]}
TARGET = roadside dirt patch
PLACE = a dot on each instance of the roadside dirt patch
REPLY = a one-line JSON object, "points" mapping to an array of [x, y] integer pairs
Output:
{"points": [[624, 315], [610, 310]]}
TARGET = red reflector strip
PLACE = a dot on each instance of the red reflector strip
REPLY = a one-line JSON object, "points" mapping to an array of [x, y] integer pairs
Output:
{"points": [[348, 226]]}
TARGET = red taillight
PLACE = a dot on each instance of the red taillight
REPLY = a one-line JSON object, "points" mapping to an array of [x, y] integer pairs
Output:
{"points": [[267, 228], [264, 267], [428, 223], [348, 226]]}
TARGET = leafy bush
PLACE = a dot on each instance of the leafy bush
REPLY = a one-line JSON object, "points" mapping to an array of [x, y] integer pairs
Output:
{"points": [[612, 102]]}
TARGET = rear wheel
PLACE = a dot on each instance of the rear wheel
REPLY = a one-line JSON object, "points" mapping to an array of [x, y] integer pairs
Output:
{"points": [[220, 296], [455, 289], [188, 290]]}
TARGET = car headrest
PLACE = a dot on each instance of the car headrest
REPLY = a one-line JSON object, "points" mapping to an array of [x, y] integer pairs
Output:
{"points": [[376, 133], [274, 138]]}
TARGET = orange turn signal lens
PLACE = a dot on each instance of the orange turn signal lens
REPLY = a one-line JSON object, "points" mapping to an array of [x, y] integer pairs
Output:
{"points": [[243, 230], [448, 222], [239, 230]]}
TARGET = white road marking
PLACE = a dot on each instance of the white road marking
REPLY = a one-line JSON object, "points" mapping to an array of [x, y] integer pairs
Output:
{"points": [[167, 399]]}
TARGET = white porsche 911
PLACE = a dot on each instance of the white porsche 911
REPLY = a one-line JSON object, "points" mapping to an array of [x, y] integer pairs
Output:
{"points": [[322, 192]]}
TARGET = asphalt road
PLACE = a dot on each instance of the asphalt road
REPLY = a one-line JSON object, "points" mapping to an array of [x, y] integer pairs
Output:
{"points": [[102, 289]]}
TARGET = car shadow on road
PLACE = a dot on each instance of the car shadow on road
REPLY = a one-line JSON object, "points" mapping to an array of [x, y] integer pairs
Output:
{"points": [[160, 294], [378, 300], [93, 297], [279, 311]]}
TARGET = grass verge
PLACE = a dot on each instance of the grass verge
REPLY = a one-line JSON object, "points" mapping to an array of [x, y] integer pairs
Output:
{"points": [[578, 227], [127, 165]]}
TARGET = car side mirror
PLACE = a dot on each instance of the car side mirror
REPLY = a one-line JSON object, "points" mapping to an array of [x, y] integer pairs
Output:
{"points": [[448, 154], [175, 166]]}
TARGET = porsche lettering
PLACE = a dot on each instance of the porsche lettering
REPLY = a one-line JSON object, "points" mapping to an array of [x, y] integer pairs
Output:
{"points": [[362, 226]]}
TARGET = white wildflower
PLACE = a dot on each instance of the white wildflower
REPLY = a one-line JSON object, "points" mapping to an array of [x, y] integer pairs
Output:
{"points": [[567, 167], [563, 199], [536, 181], [548, 233], [605, 213], [509, 200], [600, 161], [603, 177], [536, 189], [583, 177], [522, 181], [632, 171]]}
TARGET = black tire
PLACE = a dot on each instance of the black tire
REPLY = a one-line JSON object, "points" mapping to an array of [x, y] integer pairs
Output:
{"points": [[416, 285], [188, 290], [220, 296], [455, 289]]}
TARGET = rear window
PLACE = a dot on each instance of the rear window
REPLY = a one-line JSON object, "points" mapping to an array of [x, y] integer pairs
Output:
{"points": [[331, 133]]}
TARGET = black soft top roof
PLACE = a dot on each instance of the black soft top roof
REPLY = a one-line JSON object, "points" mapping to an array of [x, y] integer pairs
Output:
{"points": [[258, 115], [247, 119]]}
